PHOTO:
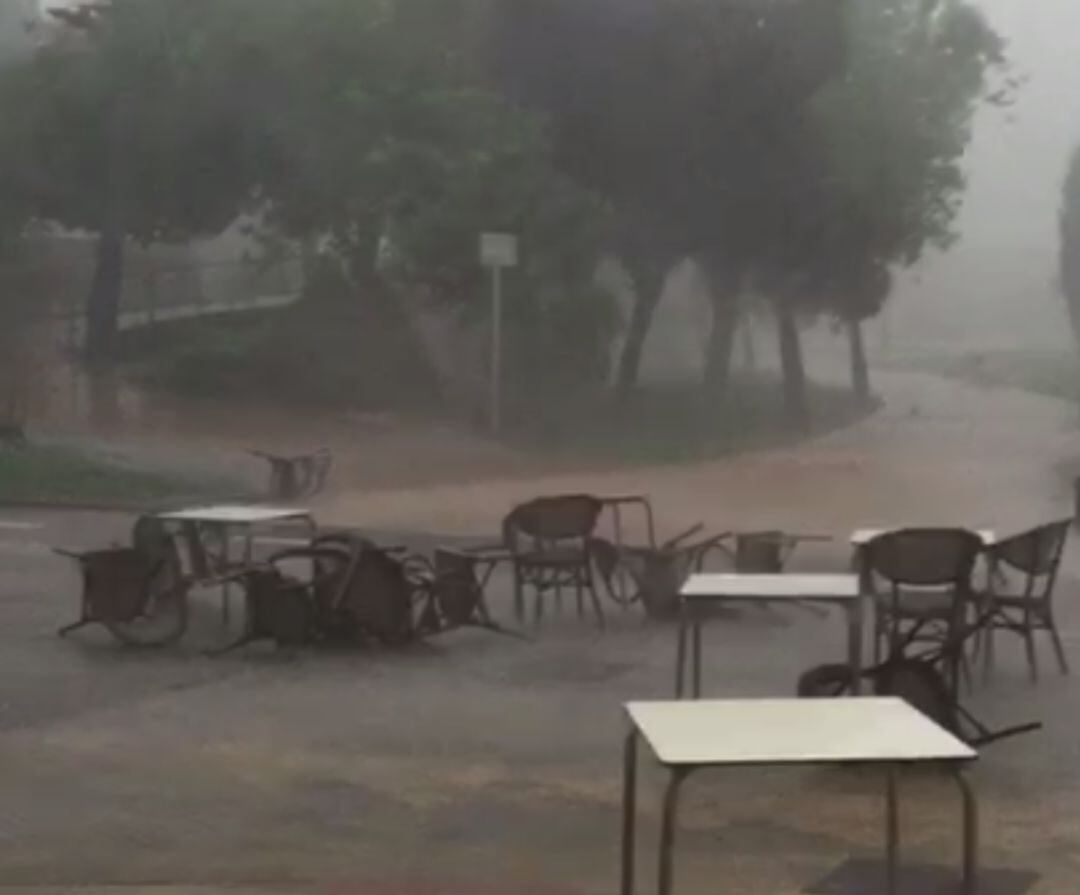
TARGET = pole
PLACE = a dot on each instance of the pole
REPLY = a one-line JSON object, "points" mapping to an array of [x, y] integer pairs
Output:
{"points": [[496, 349]]}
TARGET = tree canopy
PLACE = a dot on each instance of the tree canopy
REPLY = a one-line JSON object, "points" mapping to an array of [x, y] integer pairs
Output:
{"points": [[801, 147]]}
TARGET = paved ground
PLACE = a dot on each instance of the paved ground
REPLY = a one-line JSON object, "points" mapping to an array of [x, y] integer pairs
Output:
{"points": [[483, 764]]}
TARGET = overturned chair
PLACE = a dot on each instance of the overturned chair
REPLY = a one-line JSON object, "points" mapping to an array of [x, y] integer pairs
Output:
{"points": [[297, 477], [356, 592], [922, 679], [452, 594], [138, 593], [657, 573]]}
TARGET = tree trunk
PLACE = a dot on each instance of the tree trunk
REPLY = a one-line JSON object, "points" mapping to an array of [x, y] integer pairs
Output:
{"points": [[749, 347], [724, 299], [648, 290], [103, 302], [791, 359], [860, 371]]}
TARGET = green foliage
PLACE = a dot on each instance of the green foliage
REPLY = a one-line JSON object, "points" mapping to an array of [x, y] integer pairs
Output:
{"points": [[55, 474], [897, 124], [132, 114]]}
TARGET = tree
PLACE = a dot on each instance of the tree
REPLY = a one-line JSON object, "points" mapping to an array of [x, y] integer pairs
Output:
{"points": [[893, 130], [135, 133], [1070, 245], [386, 147], [645, 98]]}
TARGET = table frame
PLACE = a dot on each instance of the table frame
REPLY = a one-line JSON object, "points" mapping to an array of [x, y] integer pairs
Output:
{"points": [[191, 529], [690, 629], [678, 774]]}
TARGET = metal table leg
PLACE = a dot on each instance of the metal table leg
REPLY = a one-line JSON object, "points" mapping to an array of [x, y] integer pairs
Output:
{"points": [[892, 830], [856, 613], [971, 834], [629, 835], [667, 828], [697, 656], [680, 651]]}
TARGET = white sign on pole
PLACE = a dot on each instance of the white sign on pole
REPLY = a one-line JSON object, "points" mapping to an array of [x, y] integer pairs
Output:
{"points": [[498, 250]]}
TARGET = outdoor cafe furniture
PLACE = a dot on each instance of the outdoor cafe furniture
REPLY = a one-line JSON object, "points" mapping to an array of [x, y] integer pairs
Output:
{"points": [[656, 573], [704, 590], [452, 594], [767, 552], [296, 477], [921, 583], [549, 541], [205, 535], [687, 737], [1022, 575], [137, 593], [342, 588]]}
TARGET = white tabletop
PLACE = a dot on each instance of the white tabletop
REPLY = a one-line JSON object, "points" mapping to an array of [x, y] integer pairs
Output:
{"points": [[863, 536], [771, 587], [236, 514], [793, 731]]}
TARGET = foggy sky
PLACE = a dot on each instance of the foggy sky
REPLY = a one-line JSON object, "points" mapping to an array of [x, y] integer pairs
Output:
{"points": [[1005, 267]]}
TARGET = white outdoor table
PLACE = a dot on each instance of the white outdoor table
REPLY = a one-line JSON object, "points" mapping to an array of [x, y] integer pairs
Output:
{"points": [[222, 520], [689, 736], [701, 590]]}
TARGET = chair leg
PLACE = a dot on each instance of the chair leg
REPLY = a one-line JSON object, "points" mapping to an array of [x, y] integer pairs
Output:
{"points": [[519, 598], [77, 626], [1029, 649], [965, 672], [538, 607], [987, 647], [1059, 647], [579, 594], [597, 608]]}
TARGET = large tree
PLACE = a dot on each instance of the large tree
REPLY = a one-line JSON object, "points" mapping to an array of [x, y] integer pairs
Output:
{"points": [[893, 131], [661, 107], [135, 134]]}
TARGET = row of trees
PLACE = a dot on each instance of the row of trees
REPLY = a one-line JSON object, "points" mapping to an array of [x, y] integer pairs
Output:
{"points": [[797, 150]]}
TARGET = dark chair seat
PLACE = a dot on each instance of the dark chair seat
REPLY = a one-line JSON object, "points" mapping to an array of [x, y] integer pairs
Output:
{"points": [[923, 606], [1017, 601]]}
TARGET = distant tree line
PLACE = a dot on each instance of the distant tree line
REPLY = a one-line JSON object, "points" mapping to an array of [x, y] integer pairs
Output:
{"points": [[798, 151]]}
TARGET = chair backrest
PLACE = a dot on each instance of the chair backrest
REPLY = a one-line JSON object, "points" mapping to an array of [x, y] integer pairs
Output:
{"points": [[761, 552], [923, 557], [117, 583], [1035, 553], [379, 597], [457, 589], [567, 517]]}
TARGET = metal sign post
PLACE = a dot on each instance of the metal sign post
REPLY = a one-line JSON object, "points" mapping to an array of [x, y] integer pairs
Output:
{"points": [[498, 251]]}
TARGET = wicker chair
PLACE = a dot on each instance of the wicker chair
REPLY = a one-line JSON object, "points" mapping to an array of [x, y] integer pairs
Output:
{"points": [[921, 579], [1023, 573], [453, 595], [656, 572], [551, 544], [138, 593], [763, 552], [294, 478]]}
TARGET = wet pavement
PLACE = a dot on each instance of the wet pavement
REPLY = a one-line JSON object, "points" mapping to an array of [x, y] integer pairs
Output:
{"points": [[481, 763]]}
